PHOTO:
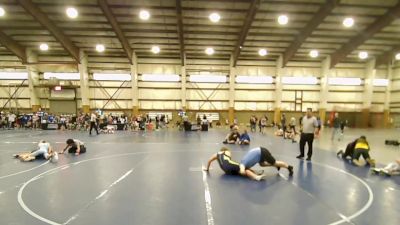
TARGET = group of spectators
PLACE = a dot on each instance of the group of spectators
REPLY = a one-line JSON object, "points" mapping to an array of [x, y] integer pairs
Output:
{"points": [[82, 121], [10, 120]]}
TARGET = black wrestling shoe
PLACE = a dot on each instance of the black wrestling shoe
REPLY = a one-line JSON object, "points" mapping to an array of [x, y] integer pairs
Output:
{"points": [[308, 159], [290, 168], [339, 153], [300, 156], [224, 142]]}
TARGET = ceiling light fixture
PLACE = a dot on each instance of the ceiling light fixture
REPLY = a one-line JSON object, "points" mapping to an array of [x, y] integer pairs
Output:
{"points": [[72, 12], [43, 47], [348, 22], [283, 19], [209, 51], [363, 55], [214, 17], [155, 49], [397, 56], [262, 52], [314, 53], [2, 12], [144, 15], [100, 48]]}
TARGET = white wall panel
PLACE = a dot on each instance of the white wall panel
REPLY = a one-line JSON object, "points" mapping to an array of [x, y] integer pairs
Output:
{"points": [[15, 104], [207, 85], [159, 69], [376, 88], [381, 74], [288, 95], [395, 97], [255, 95], [97, 67], [105, 93], [159, 94], [159, 84], [348, 73], [287, 106], [172, 105], [255, 106], [112, 104], [345, 97], [302, 72], [378, 97], [271, 64], [255, 71], [192, 94], [396, 84], [301, 87], [343, 107], [313, 106], [94, 83], [201, 105], [377, 108], [310, 96], [254, 86], [346, 88]]}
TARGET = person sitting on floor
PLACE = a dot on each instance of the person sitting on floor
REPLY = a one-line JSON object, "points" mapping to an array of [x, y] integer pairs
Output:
{"points": [[233, 137], [264, 158], [244, 138], [390, 169], [74, 146], [45, 151], [361, 148], [289, 134], [224, 158]]}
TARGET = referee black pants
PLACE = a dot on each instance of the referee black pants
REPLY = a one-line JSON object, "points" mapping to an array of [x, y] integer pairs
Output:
{"points": [[93, 125], [306, 138]]}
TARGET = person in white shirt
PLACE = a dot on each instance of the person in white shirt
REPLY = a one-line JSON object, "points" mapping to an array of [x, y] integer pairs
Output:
{"points": [[93, 123], [11, 120], [45, 151], [310, 128], [389, 170], [63, 124], [35, 121]]}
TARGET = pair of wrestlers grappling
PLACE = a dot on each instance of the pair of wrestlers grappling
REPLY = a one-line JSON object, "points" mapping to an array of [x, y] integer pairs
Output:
{"points": [[258, 155]]}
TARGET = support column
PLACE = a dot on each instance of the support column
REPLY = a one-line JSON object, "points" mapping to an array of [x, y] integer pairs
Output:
{"points": [[278, 90], [368, 91], [232, 75], [134, 85], [84, 81], [386, 107], [323, 98], [33, 80], [183, 87]]}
